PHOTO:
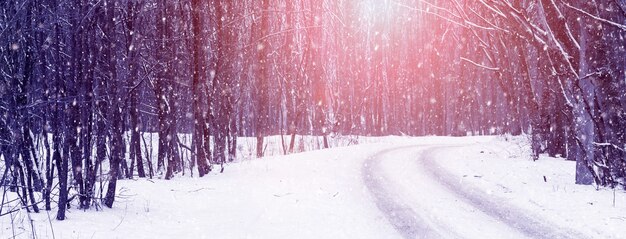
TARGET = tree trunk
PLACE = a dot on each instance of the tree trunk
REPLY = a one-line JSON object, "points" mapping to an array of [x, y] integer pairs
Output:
{"points": [[199, 137]]}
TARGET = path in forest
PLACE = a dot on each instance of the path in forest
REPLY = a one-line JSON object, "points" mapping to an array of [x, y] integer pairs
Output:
{"points": [[422, 200]]}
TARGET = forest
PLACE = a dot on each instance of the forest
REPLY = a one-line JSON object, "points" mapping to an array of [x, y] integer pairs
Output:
{"points": [[82, 82]]}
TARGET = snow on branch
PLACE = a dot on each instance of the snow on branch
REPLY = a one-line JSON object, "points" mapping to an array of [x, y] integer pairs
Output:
{"points": [[599, 72], [427, 11], [479, 65], [488, 22], [479, 26], [567, 100], [466, 19], [430, 5], [609, 145], [493, 9], [612, 23], [567, 28]]}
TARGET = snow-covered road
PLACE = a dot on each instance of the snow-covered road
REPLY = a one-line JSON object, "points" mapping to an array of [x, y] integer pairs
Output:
{"points": [[422, 200], [396, 187]]}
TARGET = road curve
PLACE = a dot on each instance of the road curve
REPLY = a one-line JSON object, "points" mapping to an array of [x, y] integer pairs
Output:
{"points": [[484, 215], [403, 218]]}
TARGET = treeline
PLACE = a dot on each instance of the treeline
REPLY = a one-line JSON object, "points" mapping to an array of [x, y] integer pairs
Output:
{"points": [[559, 66], [84, 80]]}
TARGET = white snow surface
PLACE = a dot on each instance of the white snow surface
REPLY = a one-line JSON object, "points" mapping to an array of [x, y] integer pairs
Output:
{"points": [[502, 168], [326, 194]]}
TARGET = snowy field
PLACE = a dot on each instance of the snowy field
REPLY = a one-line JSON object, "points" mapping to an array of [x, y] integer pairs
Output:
{"points": [[389, 187]]}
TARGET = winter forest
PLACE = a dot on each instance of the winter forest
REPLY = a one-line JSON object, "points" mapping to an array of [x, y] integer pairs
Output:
{"points": [[95, 94]]}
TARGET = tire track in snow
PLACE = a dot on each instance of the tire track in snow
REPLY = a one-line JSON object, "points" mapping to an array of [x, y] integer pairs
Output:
{"points": [[525, 222], [403, 218], [410, 224]]}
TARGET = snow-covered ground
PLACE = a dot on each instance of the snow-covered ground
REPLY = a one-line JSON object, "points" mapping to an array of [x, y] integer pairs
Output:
{"points": [[503, 170], [370, 190]]}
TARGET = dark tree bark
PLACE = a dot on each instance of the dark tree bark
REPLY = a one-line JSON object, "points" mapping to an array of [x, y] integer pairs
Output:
{"points": [[222, 82], [262, 78], [116, 129], [199, 112], [162, 90]]}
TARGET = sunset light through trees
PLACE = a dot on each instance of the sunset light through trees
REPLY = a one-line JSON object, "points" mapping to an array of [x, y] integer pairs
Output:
{"points": [[87, 86]]}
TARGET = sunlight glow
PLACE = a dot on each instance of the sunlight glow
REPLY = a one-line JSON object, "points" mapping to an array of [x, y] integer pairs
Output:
{"points": [[374, 12]]}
